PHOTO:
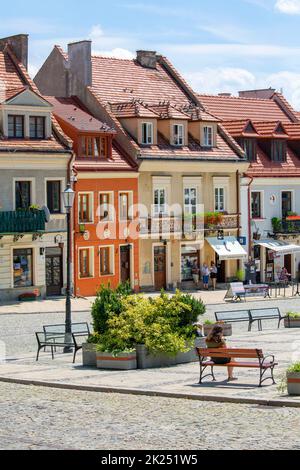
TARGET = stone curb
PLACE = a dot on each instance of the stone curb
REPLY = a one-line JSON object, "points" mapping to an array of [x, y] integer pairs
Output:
{"points": [[153, 393]]}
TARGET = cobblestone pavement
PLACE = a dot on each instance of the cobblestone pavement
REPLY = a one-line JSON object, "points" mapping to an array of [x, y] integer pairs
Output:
{"points": [[38, 418]]}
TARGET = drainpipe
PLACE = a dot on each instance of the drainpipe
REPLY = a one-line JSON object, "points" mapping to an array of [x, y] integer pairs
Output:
{"points": [[75, 173], [249, 215], [238, 206]]}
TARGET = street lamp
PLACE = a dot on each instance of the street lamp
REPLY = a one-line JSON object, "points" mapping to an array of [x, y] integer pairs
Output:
{"points": [[68, 199]]}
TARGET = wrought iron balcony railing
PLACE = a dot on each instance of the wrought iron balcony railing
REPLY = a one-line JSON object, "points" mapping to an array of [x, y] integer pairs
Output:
{"points": [[22, 222]]}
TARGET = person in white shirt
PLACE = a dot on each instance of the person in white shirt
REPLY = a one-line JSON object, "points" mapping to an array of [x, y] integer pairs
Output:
{"points": [[205, 276]]}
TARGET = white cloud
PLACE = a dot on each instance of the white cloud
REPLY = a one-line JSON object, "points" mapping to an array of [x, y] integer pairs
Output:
{"points": [[289, 82], [118, 53], [290, 7], [230, 80]]}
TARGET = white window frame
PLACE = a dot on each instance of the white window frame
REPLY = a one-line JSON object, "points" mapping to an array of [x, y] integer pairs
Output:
{"points": [[178, 137], [111, 215], [208, 136], [149, 133], [130, 205], [262, 206], [293, 200], [32, 189], [62, 186], [217, 199], [91, 261], [112, 260], [91, 208]]}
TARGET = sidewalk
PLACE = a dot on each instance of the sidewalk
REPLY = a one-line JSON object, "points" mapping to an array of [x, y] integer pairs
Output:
{"points": [[180, 381]]}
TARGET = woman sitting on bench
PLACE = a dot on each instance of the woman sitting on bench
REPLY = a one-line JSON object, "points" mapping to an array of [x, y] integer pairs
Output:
{"points": [[216, 340]]}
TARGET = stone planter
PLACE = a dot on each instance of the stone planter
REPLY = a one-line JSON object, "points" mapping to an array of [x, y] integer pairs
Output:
{"points": [[292, 322], [227, 329], [89, 355], [293, 383], [147, 360], [123, 361]]}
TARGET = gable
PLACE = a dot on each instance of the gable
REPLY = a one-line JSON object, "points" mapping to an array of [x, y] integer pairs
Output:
{"points": [[279, 129], [249, 128], [28, 98]]}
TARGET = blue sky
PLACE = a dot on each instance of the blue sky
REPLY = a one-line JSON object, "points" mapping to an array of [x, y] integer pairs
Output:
{"points": [[218, 45]]}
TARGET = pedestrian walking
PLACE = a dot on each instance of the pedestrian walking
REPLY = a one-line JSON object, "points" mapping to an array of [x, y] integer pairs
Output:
{"points": [[205, 276], [214, 274]]}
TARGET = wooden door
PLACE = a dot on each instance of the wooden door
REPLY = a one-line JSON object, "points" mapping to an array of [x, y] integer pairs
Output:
{"points": [[160, 264], [125, 263], [221, 265], [54, 277], [288, 263]]}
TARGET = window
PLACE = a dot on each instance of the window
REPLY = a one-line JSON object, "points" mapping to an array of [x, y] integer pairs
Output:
{"points": [[278, 151], [250, 149], [106, 261], [23, 194], [286, 203], [54, 196], [190, 201], [208, 136], [37, 127], [85, 263], [160, 201], [106, 207], [85, 208], [23, 268], [147, 133], [15, 127], [256, 205], [124, 206], [178, 133], [94, 147], [220, 199]]}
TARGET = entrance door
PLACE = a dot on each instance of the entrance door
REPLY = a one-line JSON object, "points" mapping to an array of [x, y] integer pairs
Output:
{"points": [[160, 257], [54, 278], [288, 263], [221, 270], [125, 263]]}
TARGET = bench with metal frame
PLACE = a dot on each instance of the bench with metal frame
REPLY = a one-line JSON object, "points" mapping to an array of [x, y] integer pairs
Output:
{"points": [[260, 314], [263, 363], [55, 336], [233, 316]]}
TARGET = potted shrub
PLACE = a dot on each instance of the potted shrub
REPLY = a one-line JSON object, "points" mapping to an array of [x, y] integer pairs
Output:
{"points": [[208, 326], [293, 379], [276, 224], [292, 320]]}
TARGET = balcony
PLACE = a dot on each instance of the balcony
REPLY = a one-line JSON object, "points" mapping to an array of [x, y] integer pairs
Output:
{"points": [[219, 221], [22, 222], [163, 226], [288, 226]]}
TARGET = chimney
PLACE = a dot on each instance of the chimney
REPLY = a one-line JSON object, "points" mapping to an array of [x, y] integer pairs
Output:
{"points": [[264, 94], [19, 45], [80, 63], [147, 59]]}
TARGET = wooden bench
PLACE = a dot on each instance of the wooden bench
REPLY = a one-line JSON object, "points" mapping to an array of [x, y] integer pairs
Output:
{"points": [[265, 314], [55, 336], [263, 363]]}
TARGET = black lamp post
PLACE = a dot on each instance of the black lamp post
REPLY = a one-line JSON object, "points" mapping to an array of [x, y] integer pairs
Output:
{"points": [[68, 198]]}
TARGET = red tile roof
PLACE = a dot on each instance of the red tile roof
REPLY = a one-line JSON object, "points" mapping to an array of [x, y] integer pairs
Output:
{"points": [[229, 108], [121, 80], [120, 161], [72, 111], [271, 130], [239, 128], [265, 168], [14, 79], [132, 109]]}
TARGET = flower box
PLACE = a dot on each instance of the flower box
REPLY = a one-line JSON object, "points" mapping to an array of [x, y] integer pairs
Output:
{"points": [[227, 329], [293, 383], [29, 296], [149, 360], [290, 322], [122, 361]]}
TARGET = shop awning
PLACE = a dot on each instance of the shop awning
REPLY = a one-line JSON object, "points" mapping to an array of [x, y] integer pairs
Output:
{"points": [[279, 246], [229, 248]]}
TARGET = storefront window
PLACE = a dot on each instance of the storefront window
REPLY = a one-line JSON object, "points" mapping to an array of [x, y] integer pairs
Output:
{"points": [[189, 262], [22, 268]]}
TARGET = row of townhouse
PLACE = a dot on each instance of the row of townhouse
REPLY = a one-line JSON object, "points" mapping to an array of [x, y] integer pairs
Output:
{"points": [[152, 164]]}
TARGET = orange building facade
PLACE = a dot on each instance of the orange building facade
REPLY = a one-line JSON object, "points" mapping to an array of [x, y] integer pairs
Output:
{"points": [[106, 245]]}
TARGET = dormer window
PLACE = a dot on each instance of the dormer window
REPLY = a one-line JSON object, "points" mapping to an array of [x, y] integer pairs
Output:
{"points": [[37, 127], [147, 133], [278, 151], [15, 126], [178, 135], [250, 149], [94, 147], [208, 136]]}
